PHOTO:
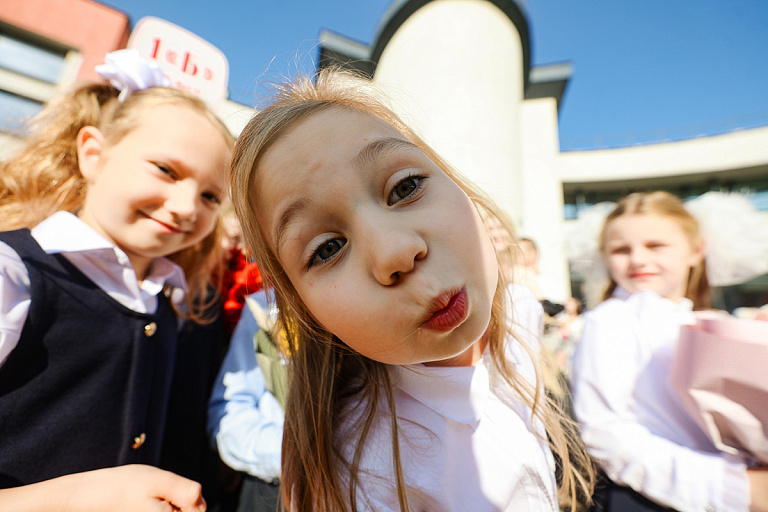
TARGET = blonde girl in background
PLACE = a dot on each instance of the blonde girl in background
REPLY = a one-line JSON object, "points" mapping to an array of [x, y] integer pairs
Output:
{"points": [[109, 217], [412, 389], [654, 455]]}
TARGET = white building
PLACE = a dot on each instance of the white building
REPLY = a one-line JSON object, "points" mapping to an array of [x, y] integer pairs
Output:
{"points": [[460, 73]]}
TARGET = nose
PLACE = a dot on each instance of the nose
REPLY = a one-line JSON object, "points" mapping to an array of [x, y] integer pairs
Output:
{"points": [[637, 257], [182, 201], [393, 251]]}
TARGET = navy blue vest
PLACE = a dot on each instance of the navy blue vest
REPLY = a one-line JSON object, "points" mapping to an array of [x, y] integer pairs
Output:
{"points": [[87, 386]]}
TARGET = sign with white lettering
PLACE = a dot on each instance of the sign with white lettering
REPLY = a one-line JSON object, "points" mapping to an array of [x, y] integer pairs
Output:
{"points": [[189, 61]]}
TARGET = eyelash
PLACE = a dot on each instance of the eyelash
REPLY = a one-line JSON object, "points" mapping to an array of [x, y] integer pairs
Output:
{"points": [[419, 186], [166, 170], [315, 260], [211, 197]]}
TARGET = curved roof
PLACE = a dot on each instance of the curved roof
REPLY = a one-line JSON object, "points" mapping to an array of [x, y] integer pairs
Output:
{"points": [[338, 50]]}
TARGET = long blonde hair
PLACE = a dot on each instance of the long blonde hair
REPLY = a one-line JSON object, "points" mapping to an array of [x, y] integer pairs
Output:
{"points": [[327, 375], [664, 204], [43, 176]]}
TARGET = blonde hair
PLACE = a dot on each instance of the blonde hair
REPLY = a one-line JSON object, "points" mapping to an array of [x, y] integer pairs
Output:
{"points": [[666, 205], [43, 176], [326, 375]]}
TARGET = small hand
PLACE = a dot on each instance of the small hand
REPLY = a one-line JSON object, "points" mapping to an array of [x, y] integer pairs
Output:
{"points": [[134, 488]]}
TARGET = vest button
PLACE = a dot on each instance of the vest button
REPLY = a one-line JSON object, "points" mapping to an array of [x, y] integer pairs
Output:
{"points": [[138, 441], [150, 329]]}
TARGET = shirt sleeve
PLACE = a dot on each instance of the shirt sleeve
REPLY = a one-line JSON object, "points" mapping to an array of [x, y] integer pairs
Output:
{"points": [[15, 297], [244, 419], [607, 363], [526, 314]]}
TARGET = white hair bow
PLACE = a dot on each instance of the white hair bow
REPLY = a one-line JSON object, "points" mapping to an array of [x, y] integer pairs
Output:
{"points": [[128, 72]]}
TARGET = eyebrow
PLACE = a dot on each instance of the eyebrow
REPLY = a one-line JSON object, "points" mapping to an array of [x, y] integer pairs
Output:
{"points": [[290, 213], [377, 148]]}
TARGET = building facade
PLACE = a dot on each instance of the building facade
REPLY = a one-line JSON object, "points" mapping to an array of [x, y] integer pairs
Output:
{"points": [[47, 46], [460, 71]]}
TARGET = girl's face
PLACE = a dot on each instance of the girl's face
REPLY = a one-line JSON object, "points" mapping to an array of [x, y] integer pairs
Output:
{"points": [[650, 252], [158, 189], [384, 249]]}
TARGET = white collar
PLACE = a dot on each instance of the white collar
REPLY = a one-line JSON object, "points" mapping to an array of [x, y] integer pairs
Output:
{"points": [[63, 232], [458, 393], [683, 305]]}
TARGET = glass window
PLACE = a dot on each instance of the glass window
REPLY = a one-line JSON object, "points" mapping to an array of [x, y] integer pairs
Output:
{"points": [[30, 60], [15, 111]]}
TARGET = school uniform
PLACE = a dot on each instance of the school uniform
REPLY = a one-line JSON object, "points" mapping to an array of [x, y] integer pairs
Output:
{"points": [[86, 361], [467, 440], [654, 455], [245, 420]]}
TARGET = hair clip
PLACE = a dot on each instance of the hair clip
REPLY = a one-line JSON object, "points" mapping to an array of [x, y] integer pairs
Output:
{"points": [[128, 72]]}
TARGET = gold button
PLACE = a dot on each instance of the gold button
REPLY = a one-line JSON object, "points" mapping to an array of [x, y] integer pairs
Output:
{"points": [[139, 440], [150, 329]]}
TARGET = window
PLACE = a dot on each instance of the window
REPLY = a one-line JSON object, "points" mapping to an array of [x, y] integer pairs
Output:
{"points": [[32, 69], [30, 60], [15, 110]]}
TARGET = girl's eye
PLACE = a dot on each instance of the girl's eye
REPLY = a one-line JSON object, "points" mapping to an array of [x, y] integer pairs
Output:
{"points": [[404, 189], [326, 251], [166, 170], [620, 250], [211, 198]]}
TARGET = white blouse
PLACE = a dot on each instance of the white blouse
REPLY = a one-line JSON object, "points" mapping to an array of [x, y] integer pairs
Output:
{"points": [[103, 263], [633, 422], [467, 441]]}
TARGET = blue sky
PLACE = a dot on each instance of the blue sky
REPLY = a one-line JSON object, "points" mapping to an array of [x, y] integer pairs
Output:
{"points": [[642, 70]]}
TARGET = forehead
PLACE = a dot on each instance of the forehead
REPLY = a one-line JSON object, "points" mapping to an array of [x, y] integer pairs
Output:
{"points": [[326, 135], [150, 119], [644, 226], [180, 128], [314, 151]]}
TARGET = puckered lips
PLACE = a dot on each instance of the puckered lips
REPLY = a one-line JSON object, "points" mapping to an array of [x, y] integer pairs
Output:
{"points": [[448, 311]]}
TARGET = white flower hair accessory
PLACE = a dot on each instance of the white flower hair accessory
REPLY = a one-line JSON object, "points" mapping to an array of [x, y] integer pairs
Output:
{"points": [[128, 72]]}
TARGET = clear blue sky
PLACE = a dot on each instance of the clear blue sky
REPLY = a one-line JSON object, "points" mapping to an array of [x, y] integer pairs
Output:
{"points": [[642, 70]]}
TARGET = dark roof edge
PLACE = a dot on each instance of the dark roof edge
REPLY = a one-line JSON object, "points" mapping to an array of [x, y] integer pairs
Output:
{"points": [[549, 81]]}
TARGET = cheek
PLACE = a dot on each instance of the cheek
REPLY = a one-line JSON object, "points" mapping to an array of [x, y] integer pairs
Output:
{"points": [[327, 304], [206, 221], [616, 264]]}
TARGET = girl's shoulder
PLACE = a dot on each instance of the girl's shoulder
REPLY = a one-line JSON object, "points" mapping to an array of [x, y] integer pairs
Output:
{"points": [[13, 271]]}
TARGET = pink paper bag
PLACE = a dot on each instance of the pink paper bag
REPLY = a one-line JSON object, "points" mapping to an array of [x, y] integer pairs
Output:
{"points": [[720, 371]]}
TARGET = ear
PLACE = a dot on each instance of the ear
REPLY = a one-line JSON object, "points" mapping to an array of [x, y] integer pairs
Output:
{"points": [[698, 251], [90, 144]]}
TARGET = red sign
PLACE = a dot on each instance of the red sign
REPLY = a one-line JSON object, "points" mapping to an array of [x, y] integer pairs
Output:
{"points": [[190, 62]]}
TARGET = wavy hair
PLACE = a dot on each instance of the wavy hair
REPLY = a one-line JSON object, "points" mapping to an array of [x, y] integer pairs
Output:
{"points": [[327, 376], [43, 176]]}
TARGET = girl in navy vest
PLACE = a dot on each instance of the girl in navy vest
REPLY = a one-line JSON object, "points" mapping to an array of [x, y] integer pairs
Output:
{"points": [[110, 216]]}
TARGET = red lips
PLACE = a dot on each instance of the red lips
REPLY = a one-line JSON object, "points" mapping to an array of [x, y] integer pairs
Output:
{"points": [[450, 312]]}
